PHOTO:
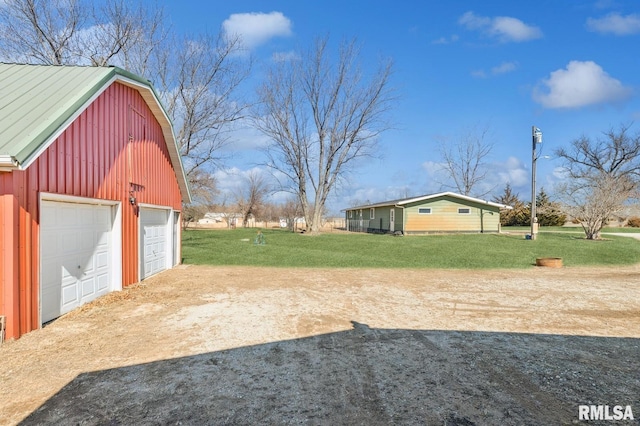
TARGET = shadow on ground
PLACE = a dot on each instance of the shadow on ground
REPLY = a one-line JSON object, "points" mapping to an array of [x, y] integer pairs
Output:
{"points": [[364, 376]]}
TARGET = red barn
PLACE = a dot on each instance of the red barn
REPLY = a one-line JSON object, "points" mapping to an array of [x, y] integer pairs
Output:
{"points": [[91, 188]]}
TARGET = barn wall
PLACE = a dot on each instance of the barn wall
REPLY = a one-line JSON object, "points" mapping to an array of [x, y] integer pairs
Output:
{"points": [[113, 150], [9, 289]]}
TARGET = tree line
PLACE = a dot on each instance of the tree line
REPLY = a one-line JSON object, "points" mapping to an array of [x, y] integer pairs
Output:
{"points": [[549, 213]]}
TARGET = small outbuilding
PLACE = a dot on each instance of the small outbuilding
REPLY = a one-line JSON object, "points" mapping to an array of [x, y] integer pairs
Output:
{"points": [[444, 212], [91, 188]]}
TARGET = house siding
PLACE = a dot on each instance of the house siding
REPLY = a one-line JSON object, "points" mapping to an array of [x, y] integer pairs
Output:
{"points": [[444, 217], [113, 149]]}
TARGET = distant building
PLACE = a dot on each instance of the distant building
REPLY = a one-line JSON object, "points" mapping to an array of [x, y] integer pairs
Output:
{"points": [[442, 212]]}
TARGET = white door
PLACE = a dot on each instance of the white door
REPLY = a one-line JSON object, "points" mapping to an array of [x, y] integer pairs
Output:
{"points": [[75, 255], [153, 241], [392, 220]]}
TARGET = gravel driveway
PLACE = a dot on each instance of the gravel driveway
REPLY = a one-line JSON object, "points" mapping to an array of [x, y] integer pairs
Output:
{"points": [[232, 345]]}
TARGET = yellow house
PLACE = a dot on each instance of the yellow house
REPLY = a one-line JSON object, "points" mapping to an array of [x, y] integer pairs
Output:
{"points": [[442, 212]]}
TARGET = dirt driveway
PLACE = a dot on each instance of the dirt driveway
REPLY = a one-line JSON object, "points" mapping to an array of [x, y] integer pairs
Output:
{"points": [[237, 345]]}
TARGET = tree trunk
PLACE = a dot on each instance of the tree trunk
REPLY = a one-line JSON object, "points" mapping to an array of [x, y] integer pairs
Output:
{"points": [[317, 221]]}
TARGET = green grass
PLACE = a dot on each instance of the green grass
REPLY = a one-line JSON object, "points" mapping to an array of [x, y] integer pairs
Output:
{"points": [[574, 229], [468, 251]]}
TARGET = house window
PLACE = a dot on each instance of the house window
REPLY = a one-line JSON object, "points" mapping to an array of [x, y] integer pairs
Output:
{"points": [[360, 211], [464, 211], [350, 214], [426, 210], [372, 213]]}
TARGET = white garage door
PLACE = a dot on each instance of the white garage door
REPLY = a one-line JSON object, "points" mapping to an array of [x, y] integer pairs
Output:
{"points": [[75, 255], [153, 241]]}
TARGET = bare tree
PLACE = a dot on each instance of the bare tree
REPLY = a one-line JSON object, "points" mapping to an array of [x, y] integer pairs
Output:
{"points": [[251, 197], [40, 31], [123, 33], [203, 191], [321, 117], [77, 32], [602, 175], [593, 200], [198, 79], [291, 212], [464, 161]]}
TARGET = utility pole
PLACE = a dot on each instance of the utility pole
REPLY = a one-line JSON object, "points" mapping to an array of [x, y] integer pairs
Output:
{"points": [[536, 138]]}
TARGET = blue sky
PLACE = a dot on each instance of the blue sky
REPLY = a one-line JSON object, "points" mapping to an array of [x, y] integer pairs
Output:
{"points": [[571, 68]]}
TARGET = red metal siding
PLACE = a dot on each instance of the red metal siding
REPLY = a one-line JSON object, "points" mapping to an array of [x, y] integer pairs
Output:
{"points": [[113, 149]]}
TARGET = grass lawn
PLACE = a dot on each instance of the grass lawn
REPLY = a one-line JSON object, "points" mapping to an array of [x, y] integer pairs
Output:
{"points": [[574, 229], [472, 251]]}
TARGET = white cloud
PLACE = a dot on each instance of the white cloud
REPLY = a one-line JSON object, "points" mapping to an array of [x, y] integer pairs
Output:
{"points": [[615, 23], [512, 171], [579, 84], [474, 22], [503, 68], [257, 28], [504, 28]]}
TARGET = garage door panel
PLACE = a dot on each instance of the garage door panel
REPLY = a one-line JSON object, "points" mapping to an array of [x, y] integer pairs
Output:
{"points": [[102, 260], [153, 224], [70, 297], [69, 242], [75, 255], [103, 283], [88, 287]]}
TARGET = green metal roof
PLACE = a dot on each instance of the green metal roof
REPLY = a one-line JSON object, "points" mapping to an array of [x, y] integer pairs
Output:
{"points": [[405, 201], [38, 101]]}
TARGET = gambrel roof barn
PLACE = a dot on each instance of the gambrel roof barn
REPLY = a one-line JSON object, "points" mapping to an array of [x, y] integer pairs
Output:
{"points": [[91, 188]]}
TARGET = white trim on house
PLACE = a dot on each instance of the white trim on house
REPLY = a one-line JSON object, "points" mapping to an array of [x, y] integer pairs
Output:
{"points": [[8, 163], [404, 201]]}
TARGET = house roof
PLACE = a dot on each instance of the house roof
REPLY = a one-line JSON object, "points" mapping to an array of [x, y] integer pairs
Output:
{"points": [[403, 201], [38, 102]]}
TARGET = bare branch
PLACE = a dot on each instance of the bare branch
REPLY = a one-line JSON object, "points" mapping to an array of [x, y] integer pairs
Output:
{"points": [[40, 31], [321, 116], [602, 176], [464, 161]]}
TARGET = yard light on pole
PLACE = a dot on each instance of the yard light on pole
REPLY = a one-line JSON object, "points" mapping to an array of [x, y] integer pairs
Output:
{"points": [[536, 138]]}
